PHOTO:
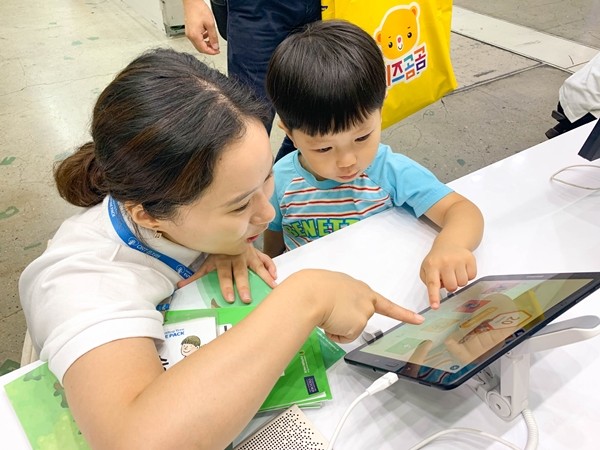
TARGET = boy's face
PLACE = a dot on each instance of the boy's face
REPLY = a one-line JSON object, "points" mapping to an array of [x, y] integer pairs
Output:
{"points": [[339, 156]]}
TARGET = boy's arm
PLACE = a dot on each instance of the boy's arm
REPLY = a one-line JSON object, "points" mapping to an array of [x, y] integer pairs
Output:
{"points": [[273, 244], [450, 262]]}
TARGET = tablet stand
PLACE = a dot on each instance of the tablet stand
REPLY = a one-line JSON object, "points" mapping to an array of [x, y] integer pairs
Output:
{"points": [[504, 384]]}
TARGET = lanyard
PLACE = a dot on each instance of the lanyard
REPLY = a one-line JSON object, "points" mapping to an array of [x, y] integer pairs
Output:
{"points": [[118, 223]]}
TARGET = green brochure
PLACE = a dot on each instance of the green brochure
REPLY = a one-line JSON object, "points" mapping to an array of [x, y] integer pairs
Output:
{"points": [[304, 381], [208, 287], [206, 293], [41, 406]]}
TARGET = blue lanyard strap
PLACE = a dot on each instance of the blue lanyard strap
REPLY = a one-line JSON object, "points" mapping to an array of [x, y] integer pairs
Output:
{"points": [[118, 223]]}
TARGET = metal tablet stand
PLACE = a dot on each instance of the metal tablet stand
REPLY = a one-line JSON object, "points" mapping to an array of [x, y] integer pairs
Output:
{"points": [[504, 384]]}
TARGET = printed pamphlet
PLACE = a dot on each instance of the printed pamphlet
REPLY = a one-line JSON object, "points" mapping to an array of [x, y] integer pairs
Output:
{"points": [[184, 338]]}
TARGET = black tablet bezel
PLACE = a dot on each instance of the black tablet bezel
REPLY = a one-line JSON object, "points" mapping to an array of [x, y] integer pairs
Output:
{"points": [[449, 380]]}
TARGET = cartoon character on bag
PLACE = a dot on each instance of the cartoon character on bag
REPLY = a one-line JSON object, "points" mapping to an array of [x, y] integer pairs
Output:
{"points": [[398, 33]]}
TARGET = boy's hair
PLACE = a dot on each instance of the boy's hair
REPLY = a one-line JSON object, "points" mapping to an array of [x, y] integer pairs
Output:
{"points": [[326, 78]]}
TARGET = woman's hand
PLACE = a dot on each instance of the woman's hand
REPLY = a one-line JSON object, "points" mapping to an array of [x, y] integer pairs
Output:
{"points": [[344, 304], [235, 268]]}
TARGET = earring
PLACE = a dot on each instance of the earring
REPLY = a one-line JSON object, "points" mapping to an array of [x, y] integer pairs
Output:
{"points": [[157, 234]]}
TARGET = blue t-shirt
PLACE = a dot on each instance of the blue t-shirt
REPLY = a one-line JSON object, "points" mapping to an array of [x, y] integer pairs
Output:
{"points": [[306, 209]]}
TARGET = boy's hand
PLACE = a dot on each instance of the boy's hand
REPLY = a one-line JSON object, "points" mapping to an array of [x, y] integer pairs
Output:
{"points": [[448, 267], [235, 268], [450, 263]]}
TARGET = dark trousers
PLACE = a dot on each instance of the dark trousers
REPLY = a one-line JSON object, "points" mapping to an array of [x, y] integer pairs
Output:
{"points": [[254, 29]]}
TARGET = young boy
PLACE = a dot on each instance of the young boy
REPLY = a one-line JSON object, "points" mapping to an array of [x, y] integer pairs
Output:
{"points": [[327, 84]]}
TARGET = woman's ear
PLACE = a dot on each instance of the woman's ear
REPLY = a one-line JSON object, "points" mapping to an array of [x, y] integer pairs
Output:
{"points": [[139, 216]]}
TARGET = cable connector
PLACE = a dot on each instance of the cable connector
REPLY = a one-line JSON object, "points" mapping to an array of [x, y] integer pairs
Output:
{"points": [[378, 385], [382, 383]]}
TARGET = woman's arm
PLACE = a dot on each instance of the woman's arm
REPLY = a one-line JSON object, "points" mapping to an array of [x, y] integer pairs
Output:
{"points": [[123, 399]]}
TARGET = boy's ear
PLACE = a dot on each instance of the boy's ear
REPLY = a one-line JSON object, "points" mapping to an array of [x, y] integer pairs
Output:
{"points": [[139, 215], [286, 130]]}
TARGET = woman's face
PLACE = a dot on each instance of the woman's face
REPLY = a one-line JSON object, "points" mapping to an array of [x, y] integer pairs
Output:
{"points": [[235, 209]]}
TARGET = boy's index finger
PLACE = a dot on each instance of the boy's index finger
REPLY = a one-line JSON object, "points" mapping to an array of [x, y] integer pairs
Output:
{"points": [[388, 308], [433, 292]]}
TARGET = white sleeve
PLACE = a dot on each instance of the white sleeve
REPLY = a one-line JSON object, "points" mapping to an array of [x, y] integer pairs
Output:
{"points": [[580, 93], [78, 303]]}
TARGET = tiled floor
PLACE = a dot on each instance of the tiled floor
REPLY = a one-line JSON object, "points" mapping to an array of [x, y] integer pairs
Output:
{"points": [[509, 57]]}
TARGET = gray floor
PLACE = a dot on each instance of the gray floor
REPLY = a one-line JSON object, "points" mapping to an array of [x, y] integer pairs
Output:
{"points": [[57, 55]]}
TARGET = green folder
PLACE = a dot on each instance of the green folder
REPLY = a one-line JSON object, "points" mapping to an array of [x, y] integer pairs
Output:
{"points": [[41, 406], [304, 381]]}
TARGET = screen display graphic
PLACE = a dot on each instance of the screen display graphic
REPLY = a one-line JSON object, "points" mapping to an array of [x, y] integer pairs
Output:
{"points": [[473, 327]]}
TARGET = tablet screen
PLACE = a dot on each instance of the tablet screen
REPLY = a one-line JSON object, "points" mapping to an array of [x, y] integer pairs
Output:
{"points": [[473, 326]]}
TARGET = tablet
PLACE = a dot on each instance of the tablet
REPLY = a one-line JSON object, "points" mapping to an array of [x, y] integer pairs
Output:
{"points": [[473, 327]]}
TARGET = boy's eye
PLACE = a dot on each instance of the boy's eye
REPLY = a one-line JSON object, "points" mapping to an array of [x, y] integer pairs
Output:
{"points": [[363, 138], [323, 150]]}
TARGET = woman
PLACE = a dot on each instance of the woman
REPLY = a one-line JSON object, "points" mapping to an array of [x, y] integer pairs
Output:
{"points": [[179, 168]]}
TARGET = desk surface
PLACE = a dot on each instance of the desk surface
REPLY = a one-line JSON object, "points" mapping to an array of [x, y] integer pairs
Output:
{"points": [[533, 225]]}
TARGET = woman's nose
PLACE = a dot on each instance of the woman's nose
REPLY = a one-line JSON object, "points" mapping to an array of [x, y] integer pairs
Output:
{"points": [[265, 213]]}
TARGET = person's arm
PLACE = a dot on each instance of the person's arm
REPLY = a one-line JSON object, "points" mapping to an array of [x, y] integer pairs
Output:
{"points": [[273, 244], [122, 398], [450, 263], [200, 26]]}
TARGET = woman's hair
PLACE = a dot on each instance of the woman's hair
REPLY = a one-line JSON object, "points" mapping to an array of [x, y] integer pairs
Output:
{"points": [[157, 131], [326, 78]]}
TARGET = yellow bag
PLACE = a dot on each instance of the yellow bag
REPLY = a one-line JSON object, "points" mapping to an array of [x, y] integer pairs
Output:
{"points": [[414, 37]]}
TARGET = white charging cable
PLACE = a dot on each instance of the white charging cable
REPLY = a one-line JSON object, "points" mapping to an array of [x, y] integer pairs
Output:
{"points": [[390, 378], [532, 434], [378, 385]]}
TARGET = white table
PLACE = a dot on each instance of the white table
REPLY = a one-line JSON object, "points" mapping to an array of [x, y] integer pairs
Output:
{"points": [[532, 226]]}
